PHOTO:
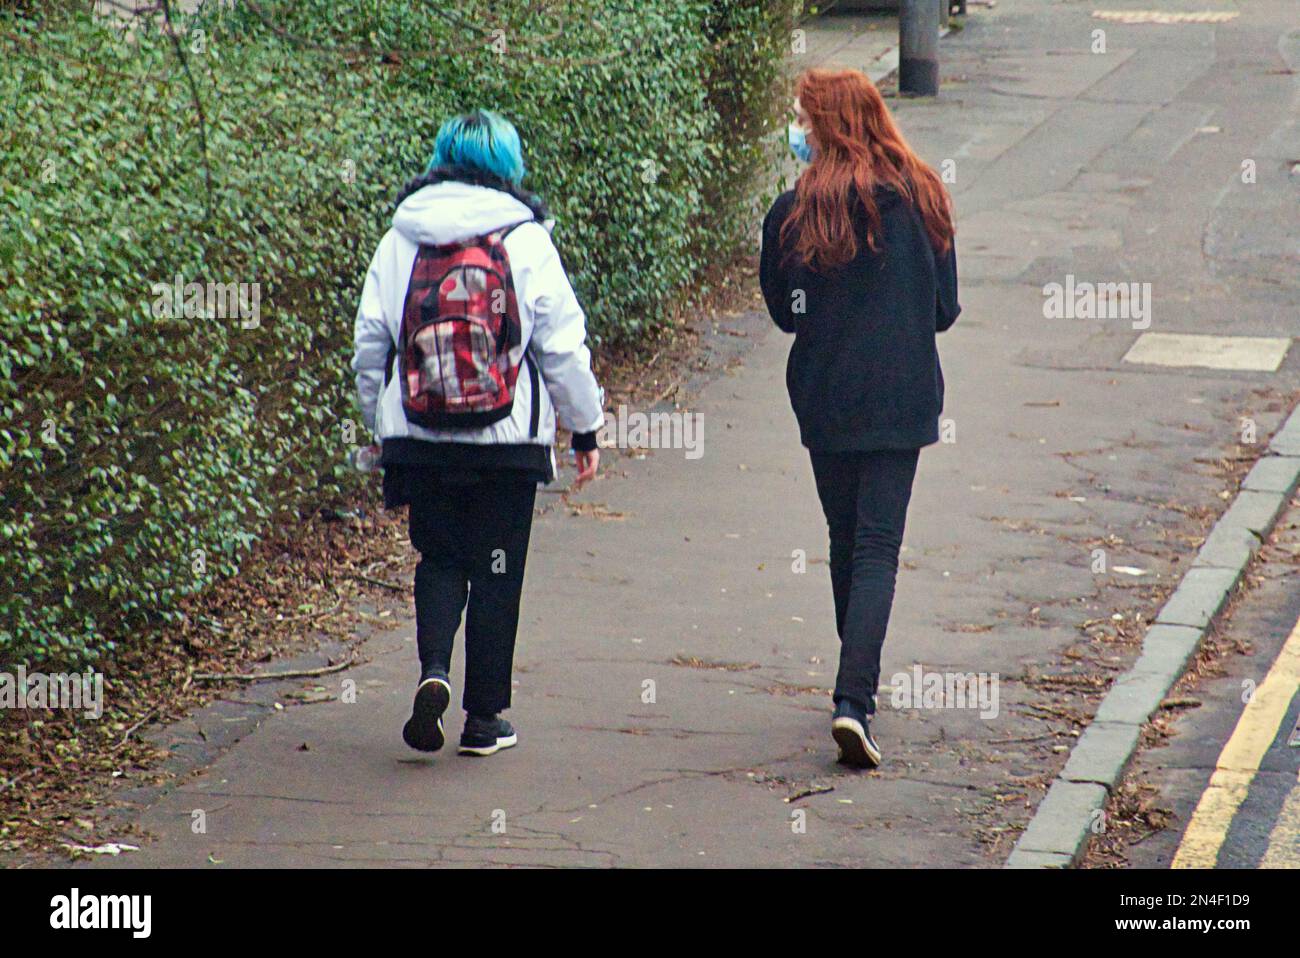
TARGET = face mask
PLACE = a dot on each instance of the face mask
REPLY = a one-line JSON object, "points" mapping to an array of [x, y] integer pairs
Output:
{"points": [[799, 145]]}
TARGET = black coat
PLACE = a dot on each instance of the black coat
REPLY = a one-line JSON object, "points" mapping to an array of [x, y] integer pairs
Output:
{"points": [[864, 372]]}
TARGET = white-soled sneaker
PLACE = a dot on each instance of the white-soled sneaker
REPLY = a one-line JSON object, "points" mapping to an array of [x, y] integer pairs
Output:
{"points": [[423, 730], [485, 736], [851, 729]]}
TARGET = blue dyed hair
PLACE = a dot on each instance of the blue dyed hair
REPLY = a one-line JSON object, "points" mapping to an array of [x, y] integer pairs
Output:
{"points": [[481, 140]]}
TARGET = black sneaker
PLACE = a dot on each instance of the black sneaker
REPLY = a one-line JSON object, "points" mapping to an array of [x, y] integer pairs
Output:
{"points": [[423, 730], [483, 736], [851, 730]]}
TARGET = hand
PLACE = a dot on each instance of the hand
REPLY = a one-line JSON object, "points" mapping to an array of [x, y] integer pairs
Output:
{"points": [[367, 458], [587, 464]]}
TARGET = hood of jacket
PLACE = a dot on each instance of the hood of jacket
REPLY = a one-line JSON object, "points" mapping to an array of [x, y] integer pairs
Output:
{"points": [[452, 211]]}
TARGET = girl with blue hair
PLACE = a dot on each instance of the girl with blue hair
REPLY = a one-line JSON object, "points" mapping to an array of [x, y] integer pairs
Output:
{"points": [[469, 343]]}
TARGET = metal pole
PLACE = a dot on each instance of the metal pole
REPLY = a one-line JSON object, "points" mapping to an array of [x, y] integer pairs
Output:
{"points": [[918, 47]]}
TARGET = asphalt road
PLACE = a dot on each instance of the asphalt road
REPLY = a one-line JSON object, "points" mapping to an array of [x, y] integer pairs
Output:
{"points": [[1226, 775]]}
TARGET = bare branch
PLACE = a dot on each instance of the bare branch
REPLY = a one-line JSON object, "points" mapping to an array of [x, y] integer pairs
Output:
{"points": [[198, 101]]}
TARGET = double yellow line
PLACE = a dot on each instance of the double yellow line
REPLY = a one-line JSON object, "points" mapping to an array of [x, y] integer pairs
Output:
{"points": [[1236, 769]]}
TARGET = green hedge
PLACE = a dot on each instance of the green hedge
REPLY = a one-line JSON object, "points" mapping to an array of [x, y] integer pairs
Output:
{"points": [[140, 455]]}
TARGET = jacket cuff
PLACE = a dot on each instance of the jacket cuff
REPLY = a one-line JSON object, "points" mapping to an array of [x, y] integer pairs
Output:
{"points": [[584, 441]]}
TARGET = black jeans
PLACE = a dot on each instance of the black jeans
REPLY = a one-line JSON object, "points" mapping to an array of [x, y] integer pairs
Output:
{"points": [[473, 541], [864, 496]]}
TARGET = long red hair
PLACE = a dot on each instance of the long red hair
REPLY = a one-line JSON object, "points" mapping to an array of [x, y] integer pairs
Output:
{"points": [[858, 148]]}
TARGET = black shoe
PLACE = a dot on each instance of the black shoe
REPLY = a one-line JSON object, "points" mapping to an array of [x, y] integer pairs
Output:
{"points": [[483, 736], [851, 730], [423, 730]]}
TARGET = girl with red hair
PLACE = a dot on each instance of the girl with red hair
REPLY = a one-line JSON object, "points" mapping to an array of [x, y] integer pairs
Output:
{"points": [[858, 262]]}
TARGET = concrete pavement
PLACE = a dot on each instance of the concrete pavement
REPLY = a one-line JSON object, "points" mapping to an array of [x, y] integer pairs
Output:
{"points": [[1115, 167]]}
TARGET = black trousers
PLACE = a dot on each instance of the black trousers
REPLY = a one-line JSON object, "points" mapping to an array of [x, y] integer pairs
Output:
{"points": [[472, 535], [864, 496]]}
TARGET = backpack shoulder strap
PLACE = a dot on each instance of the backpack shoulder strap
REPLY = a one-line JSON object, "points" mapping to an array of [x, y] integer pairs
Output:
{"points": [[502, 233], [534, 381]]}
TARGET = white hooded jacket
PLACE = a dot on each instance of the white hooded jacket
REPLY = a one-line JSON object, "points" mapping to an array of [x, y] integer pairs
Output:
{"points": [[554, 328]]}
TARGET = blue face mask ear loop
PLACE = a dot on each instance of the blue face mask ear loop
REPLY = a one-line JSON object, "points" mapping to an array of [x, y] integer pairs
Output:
{"points": [[799, 143]]}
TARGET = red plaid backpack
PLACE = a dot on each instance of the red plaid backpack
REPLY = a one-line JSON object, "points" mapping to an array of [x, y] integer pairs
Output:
{"points": [[460, 329]]}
